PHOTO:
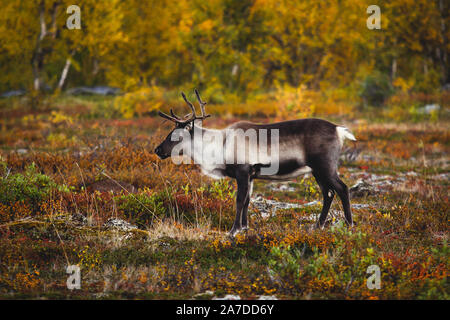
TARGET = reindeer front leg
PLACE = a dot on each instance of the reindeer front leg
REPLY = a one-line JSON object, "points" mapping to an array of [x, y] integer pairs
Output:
{"points": [[245, 209], [242, 198]]}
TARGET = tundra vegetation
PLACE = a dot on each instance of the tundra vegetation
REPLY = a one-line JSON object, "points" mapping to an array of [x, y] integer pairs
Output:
{"points": [[80, 184], [65, 175]]}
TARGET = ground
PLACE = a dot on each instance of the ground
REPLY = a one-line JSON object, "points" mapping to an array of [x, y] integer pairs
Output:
{"points": [[82, 190]]}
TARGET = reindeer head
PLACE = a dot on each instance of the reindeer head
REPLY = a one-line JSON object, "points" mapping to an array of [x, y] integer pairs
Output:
{"points": [[164, 150]]}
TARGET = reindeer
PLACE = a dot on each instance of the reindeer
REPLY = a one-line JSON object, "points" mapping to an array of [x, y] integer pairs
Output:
{"points": [[304, 145]]}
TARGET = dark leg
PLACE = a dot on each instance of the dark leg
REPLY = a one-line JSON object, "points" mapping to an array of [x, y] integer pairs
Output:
{"points": [[245, 209], [342, 191], [243, 187], [328, 195], [324, 169]]}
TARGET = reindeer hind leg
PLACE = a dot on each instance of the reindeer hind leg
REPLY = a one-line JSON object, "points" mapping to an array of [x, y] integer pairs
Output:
{"points": [[342, 190], [328, 195]]}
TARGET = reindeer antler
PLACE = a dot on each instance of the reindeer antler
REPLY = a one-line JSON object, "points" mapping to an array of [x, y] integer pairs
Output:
{"points": [[193, 116], [202, 104]]}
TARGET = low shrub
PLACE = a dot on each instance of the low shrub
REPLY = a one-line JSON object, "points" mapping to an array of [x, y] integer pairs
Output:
{"points": [[142, 208], [30, 187]]}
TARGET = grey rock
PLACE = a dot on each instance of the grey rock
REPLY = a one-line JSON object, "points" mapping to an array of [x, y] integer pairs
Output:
{"points": [[98, 90], [360, 205], [228, 297], [269, 207], [429, 108], [280, 187], [13, 93], [79, 219], [119, 224], [267, 298], [362, 189]]}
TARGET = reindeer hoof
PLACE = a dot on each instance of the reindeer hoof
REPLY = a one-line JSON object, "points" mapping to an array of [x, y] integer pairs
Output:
{"points": [[234, 231], [319, 226]]}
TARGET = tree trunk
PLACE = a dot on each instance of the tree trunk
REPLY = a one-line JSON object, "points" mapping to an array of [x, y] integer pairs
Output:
{"points": [[64, 73], [394, 69], [38, 56], [443, 56], [39, 52]]}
